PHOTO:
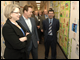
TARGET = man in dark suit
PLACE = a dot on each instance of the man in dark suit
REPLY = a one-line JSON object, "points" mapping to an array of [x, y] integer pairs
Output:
{"points": [[29, 23], [50, 27], [37, 20], [45, 16]]}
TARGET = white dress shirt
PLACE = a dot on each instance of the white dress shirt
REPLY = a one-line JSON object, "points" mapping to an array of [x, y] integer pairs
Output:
{"points": [[28, 22]]}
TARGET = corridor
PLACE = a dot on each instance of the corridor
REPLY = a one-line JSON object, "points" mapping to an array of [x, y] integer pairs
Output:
{"points": [[41, 51]]}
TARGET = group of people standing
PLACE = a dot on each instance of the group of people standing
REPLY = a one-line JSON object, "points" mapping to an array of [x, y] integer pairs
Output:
{"points": [[22, 34]]}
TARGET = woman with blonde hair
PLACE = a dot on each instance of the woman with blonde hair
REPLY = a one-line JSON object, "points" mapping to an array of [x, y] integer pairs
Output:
{"points": [[15, 35]]}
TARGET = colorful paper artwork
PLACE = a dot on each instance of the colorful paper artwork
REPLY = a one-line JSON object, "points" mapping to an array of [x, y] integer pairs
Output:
{"points": [[74, 35], [65, 44], [62, 21], [74, 5], [66, 31], [74, 27], [67, 13], [63, 31], [63, 25], [66, 22], [65, 39], [60, 25], [66, 6], [77, 49]]}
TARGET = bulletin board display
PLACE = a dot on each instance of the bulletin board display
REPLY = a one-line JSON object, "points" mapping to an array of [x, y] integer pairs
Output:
{"points": [[64, 25]]}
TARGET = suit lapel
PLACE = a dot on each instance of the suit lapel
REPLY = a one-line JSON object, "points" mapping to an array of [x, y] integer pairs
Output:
{"points": [[53, 22], [31, 24], [17, 30], [47, 22], [24, 24]]}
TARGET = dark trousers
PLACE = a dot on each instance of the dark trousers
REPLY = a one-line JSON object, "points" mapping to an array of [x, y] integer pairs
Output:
{"points": [[33, 50], [50, 42], [39, 34]]}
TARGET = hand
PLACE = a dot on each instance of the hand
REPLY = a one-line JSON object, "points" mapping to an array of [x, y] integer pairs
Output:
{"points": [[22, 39], [38, 42], [27, 33], [41, 30]]}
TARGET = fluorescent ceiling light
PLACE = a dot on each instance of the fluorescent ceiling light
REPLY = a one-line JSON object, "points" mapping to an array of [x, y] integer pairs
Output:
{"points": [[38, 1], [38, 4]]}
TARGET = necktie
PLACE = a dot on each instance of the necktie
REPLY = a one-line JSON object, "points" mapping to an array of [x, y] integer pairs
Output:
{"points": [[50, 28]]}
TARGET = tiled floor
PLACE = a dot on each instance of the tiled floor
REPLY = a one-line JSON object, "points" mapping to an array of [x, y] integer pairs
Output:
{"points": [[41, 51]]}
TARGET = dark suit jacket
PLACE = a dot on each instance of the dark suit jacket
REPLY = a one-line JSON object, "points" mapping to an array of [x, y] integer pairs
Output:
{"points": [[34, 35], [14, 47], [36, 20], [55, 28], [42, 18]]}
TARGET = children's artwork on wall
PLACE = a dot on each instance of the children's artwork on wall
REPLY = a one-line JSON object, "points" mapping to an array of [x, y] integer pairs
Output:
{"points": [[77, 49], [60, 14], [74, 27], [65, 43], [74, 20], [64, 20], [63, 25], [65, 39], [67, 13], [66, 6], [74, 36], [74, 5], [63, 31], [60, 25], [66, 31]]}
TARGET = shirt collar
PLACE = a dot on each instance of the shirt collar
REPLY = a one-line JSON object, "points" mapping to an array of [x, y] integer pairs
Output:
{"points": [[51, 20], [25, 18]]}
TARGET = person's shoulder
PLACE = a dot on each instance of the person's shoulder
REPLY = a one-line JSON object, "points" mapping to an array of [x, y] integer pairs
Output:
{"points": [[6, 26], [45, 20], [56, 19], [32, 18]]}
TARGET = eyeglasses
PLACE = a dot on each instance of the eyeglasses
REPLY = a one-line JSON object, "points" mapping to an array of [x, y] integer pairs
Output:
{"points": [[16, 12]]}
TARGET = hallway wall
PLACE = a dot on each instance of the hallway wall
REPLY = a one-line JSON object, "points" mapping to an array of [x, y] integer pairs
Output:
{"points": [[3, 20]]}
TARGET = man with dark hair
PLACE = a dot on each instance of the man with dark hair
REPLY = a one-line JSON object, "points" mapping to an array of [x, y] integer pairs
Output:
{"points": [[29, 23], [50, 9], [50, 27]]}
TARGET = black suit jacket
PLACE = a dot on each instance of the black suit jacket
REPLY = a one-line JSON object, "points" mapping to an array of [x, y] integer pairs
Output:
{"points": [[55, 28], [14, 47], [36, 20]]}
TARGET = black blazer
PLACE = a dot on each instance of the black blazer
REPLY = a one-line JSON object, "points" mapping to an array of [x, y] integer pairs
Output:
{"points": [[36, 20], [55, 28], [14, 47]]}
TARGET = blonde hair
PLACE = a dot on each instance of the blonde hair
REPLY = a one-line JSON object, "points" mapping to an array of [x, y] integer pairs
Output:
{"points": [[9, 9]]}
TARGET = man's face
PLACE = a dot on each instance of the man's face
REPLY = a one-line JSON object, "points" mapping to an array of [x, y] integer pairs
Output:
{"points": [[40, 12], [29, 12], [45, 12], [50, 14], [36, 13]]}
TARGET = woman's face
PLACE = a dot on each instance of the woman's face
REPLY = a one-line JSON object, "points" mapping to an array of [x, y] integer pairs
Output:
{"points": [[15, 14]]}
